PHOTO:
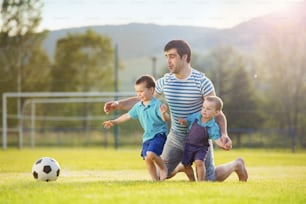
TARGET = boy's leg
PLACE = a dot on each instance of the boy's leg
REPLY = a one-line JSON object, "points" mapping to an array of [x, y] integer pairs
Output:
{"points": [[151, 167], [189, 172], [200, 169], [157, 161]]}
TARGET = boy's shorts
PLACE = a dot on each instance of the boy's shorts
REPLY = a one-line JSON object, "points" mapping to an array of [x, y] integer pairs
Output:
{"points": [[156, 145], [192, 153]]}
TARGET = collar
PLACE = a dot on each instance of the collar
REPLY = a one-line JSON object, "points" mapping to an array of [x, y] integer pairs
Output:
{"points": [[153, 101], [209, 123]]}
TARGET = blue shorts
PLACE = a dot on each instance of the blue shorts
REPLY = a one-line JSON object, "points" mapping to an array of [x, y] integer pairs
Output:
{"points": [[156, 145], [192, 153]]}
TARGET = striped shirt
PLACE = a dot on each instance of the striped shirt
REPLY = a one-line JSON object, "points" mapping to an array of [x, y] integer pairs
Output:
{"points": [[184, 96]]}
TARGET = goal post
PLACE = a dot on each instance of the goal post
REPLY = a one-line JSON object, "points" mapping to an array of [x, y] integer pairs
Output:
{"points": [[33, 98]]}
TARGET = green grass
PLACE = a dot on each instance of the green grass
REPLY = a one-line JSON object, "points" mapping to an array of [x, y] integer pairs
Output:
{"points": [[96, 175]]}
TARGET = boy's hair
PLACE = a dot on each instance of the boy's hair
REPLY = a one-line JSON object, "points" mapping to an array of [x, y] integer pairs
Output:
{"points": [[217, 100], [147, 79], [181, 46]]}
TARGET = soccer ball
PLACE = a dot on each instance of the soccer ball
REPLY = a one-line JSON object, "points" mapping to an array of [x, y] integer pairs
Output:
{"points": [[46, 169]]}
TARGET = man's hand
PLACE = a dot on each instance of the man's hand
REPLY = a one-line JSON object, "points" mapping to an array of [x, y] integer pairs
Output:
{"points": [[227, 142], [110, 106]]}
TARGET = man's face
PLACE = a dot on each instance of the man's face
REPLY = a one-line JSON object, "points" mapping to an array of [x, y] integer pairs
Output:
{"points": [[174, 61]]}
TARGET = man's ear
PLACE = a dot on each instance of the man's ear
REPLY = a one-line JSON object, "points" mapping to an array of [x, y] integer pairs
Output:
{"points": [[184, 57]]}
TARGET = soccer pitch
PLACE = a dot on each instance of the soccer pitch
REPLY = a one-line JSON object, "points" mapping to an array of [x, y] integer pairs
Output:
{"points": [[97, 175]]}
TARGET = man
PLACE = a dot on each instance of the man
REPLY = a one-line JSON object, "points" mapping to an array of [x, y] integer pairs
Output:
{"points": [[185, 90]]}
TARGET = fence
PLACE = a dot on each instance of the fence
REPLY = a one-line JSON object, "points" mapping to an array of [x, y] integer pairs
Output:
{"points": [[30, 113], [74, 118]]}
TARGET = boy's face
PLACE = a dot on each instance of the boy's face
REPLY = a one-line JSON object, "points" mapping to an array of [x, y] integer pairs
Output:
{"points": [[209, 109], [143, 93]]}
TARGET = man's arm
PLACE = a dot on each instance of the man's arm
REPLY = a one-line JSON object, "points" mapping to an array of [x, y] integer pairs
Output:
{"points": [[222, 122], [123, 104]]}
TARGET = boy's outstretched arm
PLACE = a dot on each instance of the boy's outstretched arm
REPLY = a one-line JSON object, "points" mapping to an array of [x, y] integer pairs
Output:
{"points": [[121, 119]]}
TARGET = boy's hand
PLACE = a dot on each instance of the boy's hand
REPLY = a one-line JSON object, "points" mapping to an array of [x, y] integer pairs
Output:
{"points": [[182, 121], [163, 108], [108, 124]]}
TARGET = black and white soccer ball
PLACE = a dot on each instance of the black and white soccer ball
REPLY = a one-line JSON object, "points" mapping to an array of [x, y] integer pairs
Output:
{"points": [[46, 169]]}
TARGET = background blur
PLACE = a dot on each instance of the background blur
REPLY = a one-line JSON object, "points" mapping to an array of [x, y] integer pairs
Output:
{"points": [[257, 62]]}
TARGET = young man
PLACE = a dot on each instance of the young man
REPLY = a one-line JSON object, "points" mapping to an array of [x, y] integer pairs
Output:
{"points": [[185, 89]]}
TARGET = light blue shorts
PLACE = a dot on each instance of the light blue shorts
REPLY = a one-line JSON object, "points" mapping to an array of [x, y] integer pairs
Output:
{"points": [[173, 154]]}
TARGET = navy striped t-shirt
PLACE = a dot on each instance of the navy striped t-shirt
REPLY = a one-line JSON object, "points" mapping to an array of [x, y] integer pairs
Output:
{"points": [[184, 96]]}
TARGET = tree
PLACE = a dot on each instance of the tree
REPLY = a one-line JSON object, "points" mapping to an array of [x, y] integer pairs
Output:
{"points": [[83, 62], [20, 17], [282, 69], [233, 83], [17, 39], [23, 64]]}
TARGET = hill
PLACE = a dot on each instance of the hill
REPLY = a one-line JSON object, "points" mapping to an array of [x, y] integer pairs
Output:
{"points": [[138, 43], [129, 37]]}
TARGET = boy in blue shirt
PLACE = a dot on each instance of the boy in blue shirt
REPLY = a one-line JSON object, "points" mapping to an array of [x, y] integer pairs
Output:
{"points": [[152, 115], [201, 127]]}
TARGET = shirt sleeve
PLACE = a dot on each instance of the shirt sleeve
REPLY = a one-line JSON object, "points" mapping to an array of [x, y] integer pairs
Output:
{"points": [[206, 86], [133, 112], [214, 132], [159, 86], [191, 118]]}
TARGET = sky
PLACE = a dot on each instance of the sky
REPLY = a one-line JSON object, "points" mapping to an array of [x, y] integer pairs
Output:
{"points": [[59, 14]]}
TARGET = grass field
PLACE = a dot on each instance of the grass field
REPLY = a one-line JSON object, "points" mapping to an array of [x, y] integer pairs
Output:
{"points": [[96, 175]]}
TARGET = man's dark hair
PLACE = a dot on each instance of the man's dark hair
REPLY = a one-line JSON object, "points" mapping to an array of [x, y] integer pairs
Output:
{"points": [[181, 46]]}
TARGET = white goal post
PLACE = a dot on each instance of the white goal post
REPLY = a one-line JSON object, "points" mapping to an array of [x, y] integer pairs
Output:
{"points": [[33, 98]]}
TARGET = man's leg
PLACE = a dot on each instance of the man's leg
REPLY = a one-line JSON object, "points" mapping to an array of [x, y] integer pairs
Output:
{"points": [[172, 153], [179, 168], [223, 171], [210, 164]]}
